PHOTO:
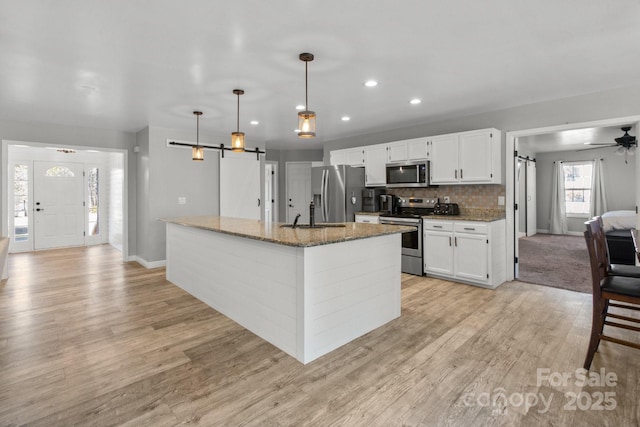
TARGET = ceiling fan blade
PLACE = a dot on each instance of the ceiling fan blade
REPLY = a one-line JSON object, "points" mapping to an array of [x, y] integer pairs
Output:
{"points": [[598, 143], [596, 148]]}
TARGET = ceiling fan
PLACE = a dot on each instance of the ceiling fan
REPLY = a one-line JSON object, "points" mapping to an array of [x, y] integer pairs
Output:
{"points": [[626, 144]]}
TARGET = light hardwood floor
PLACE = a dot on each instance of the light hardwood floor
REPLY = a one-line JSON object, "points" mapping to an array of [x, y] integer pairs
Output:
{"points": [[88, 340]]}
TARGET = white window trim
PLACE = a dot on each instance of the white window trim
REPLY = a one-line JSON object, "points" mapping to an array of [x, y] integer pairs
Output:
{"points": [[578, 162]]}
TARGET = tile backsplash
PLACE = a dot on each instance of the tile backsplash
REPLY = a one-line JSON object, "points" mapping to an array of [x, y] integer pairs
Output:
{"points": [[469, 197]]}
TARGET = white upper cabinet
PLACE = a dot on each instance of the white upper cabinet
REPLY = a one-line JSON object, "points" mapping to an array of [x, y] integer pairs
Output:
{"points": [[467, 158], [375, 160], [397, 151], [444, 159], [347, 156], [409, 150]]}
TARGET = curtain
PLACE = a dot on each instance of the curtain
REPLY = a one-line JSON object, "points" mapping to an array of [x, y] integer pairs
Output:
{"points": [[598, 196], [558, 220]]}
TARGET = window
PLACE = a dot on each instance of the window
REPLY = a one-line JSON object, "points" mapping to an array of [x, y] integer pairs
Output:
{"points": [[21, 203], [59, 171], [577, 188], [93, 182]]}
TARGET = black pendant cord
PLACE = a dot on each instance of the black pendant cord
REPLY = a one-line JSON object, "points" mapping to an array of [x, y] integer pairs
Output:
{"points": [[238, 115], [198, 130], [306, 86]]}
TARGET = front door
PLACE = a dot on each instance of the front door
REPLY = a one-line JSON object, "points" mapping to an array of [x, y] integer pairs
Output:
{"points": [[58, 204]]}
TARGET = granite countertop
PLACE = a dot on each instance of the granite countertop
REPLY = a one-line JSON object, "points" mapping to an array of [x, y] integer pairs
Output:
{"points": [[482, 216], [274, 233]]}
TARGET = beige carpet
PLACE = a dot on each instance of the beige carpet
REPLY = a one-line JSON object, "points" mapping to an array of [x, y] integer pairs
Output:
{"points": [[556, 261]]}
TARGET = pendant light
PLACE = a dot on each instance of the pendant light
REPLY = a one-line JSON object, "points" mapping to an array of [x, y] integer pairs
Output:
{"points": [[197, 152], [237, 137], [306, 118]]}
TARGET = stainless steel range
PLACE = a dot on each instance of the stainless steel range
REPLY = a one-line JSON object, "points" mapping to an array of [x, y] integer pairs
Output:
{"points": [[409, 212]]}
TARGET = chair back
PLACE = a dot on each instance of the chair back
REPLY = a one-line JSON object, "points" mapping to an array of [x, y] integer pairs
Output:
{"points": [[597, 247]]}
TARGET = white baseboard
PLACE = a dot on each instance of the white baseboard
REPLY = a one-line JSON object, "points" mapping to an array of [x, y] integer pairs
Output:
{"points": [[150, 264], [539, 230], [568, 233]]}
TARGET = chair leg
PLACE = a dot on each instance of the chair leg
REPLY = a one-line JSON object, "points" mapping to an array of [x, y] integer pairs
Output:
{"points": [[597, 326]]}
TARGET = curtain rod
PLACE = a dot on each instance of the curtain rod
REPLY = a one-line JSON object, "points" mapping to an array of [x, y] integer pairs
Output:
{"points": [[221, 147]]}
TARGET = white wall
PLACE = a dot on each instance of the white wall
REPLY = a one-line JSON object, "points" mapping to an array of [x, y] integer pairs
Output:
{"points": [[168, 172], [115, 216], [620, 182]]}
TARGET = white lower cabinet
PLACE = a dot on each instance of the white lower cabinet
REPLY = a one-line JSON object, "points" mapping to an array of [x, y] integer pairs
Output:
{"points": [[370, 219], [464, 251]]}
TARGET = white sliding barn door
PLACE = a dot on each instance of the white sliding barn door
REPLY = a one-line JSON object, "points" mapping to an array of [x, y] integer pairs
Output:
{"points": [[240, 185], [532, 224]]}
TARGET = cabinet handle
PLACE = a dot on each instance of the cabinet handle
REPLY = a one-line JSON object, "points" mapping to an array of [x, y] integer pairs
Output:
{"points": [[456, 174], [460, 173], [455, 240], [437, 226], [469, 228], [449, 240]]}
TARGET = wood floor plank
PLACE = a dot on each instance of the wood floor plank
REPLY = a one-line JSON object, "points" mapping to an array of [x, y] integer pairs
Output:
{"points": [[86, 339]]}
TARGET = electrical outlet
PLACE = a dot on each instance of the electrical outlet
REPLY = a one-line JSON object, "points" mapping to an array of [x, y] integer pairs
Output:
{"points": [[447, 199], [182, 200], [500, 200]]}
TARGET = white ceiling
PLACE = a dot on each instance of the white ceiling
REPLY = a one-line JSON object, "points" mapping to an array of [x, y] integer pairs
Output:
{"points": [[126, 64], [570, 140]]}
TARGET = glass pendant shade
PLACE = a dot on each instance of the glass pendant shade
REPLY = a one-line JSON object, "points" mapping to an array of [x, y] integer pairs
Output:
{"points": [[197, 152], [237, 141], [307, 124]]}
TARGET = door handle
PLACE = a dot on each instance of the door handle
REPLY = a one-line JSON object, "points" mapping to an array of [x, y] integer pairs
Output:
{"points": [[258, 202], [39, 209]]}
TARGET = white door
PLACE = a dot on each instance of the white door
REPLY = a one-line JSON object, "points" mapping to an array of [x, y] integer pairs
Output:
{"points": [[240, 185], [58, 204], [531, 198], [298, 191]]}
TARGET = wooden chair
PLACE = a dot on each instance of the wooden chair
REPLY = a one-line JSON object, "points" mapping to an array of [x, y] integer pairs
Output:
{"points": [[608, 291], [617, 269]]}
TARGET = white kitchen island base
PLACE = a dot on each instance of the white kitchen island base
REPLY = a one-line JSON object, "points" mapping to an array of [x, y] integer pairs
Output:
{"points": [[305, 300]]}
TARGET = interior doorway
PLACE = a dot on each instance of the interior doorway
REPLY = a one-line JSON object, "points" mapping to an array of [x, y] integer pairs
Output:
{"points": [[513, 187], [298, 190], [64, 196]]}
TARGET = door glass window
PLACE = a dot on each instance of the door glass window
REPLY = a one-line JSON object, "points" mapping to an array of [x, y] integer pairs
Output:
{"points": [[59, 171], [21, 203], [93, 181]]}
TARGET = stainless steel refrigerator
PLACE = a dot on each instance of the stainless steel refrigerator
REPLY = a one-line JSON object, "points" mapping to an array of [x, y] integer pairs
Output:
{"points": [[337, 192]]}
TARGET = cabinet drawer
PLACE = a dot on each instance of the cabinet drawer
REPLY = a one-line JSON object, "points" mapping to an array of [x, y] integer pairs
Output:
{"points": [[471, 228], [369, 219], [438, 225]]}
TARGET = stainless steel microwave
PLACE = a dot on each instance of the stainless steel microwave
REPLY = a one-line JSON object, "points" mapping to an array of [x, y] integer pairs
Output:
{"points": [[408, 174]]}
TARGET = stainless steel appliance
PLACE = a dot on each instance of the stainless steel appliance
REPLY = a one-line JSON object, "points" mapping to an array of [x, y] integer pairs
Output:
{"points": [[387, 203], [408, 174], [410, 212], [371, 199], [337, 192]]}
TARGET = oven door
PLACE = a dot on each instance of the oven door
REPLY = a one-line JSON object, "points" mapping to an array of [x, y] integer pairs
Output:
{"points": [[412, 240]]}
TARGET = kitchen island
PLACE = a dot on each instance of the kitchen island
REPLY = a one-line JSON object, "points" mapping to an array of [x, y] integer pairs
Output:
{"points": [[305, 290]]}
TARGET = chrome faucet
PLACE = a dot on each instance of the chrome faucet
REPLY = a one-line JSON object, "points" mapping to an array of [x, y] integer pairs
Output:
{"points": [[295, 221], [312, 214]]}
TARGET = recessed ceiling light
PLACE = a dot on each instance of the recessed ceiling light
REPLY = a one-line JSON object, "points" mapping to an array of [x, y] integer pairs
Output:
{"points": [[415, 101], [254, 122], [371, 83], [300, 107], [345, 118]]}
